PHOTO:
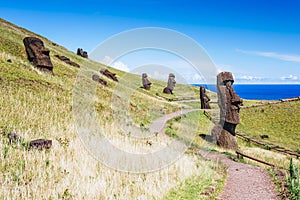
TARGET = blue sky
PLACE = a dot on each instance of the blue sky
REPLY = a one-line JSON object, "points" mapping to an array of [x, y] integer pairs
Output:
{"points": [[256, 40]]}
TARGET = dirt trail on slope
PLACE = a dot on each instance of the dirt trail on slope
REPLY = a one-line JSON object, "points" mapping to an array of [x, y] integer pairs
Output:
{"points": [[244, 182], [159, 124]]}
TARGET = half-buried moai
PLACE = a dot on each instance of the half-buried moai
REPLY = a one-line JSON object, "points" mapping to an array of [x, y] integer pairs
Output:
{"points": [[82, 53], [229, 102], [38, 54], [146, 83], [171, 84], [204, 99]]}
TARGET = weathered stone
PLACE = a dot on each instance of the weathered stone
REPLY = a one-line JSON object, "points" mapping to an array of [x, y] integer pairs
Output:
{"points": [[109, 74], [216, 132], [99, 80], [171, 84], [38, 54], [167, 91], [82, 53], [40, 144], [14, 138], [146, 82], [67, 60], [227, 140], [204, 99], [85, 54], [229, 103]]}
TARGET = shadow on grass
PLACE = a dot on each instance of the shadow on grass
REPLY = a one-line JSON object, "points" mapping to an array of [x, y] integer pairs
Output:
{"points": [[205, 137]]}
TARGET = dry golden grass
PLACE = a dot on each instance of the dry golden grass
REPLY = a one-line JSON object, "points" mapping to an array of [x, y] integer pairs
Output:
{"points": [[38, 105]]}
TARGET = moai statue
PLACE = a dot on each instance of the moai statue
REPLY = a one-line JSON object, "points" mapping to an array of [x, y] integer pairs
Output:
{"points": [[204, 99], [146, 82], [38, 54], [229, 103], [171, 84], [79, 52], [109, 74], [82, 53]]}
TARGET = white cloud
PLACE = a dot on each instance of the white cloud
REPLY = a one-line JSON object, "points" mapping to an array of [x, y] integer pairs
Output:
{"points": [[285, 57], [250, 78], [107, 60], [121, 66], [197, 77], [290, 77], [118, 65], [159, 75]]}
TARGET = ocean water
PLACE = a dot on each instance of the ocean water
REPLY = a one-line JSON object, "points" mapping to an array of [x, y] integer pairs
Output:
{"points": [[263, 92]]}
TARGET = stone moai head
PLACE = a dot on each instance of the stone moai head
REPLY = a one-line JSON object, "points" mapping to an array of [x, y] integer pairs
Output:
{"points": [[171, 81], [79, 51], [38, 54], [146, 83], [202, 90], [224, 77]]}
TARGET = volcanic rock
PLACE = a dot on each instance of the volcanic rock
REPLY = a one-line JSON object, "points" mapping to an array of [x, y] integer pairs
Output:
{"points": [[146, 82], [82, 53], [99, 80], [67, 60], [204, 99], [171, 84], [109, 74], [229, 102], [38, 54], [40, 144]]}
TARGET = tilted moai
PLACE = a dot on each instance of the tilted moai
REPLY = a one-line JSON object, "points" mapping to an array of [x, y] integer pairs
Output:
{"points": [[38, 54], [146, 83], [171, 84], [109, 74], [204, 99], [229, 103]]}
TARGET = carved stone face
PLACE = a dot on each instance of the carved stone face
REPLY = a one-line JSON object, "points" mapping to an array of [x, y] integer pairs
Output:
{"points": [[171, 81], [37, 53], [202, 90], [225, 77], [228, 83], [146, 82]]}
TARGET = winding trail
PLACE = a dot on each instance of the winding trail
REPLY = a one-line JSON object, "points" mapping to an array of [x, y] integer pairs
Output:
{"points": [[244, 182], [159, 124]]}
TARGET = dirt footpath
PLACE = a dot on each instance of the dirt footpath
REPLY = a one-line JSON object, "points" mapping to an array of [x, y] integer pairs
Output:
{"points": [[244, 182]]}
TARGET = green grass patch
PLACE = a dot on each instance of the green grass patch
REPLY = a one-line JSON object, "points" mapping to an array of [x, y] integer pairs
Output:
{"points": [[280, 122], [208, 185]]}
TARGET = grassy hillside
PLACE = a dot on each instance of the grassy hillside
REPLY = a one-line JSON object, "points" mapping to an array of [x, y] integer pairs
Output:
{"points": [[38, 105], [280, 122]]}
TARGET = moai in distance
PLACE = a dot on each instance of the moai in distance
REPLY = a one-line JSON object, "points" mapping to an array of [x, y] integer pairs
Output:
{"points": [[204, 99], [171, 84], [146, 83]]}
